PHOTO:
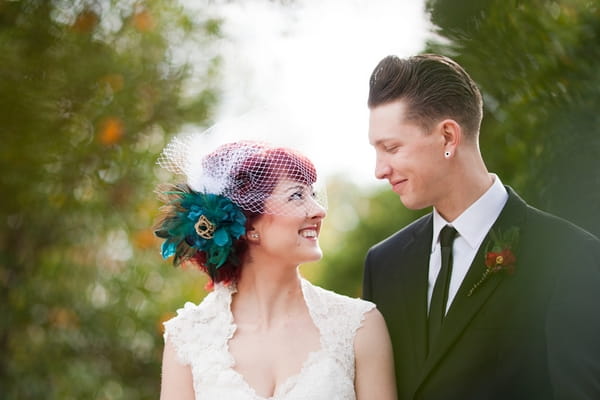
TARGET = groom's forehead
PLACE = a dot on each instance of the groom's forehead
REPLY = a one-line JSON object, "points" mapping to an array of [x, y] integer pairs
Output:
{"points": [[382, 133]]}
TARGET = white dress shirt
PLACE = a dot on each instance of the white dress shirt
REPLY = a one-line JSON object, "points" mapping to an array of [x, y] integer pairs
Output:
{"points": [[472, 227]]}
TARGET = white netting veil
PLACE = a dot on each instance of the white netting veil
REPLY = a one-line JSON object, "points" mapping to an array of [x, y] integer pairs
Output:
{"points": [[258, 176]]}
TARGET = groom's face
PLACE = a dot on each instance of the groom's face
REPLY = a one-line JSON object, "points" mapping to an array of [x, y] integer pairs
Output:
{"points": [[410, 158]]}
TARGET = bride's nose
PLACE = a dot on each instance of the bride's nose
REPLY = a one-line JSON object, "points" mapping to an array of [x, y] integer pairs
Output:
{"points": [[314, 209]]}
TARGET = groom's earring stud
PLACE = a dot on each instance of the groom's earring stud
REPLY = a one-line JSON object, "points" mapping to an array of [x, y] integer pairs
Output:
{"points": [[447, 154]]}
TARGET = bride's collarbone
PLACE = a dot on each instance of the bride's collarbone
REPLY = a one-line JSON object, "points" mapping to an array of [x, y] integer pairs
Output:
{"points": [[267, 357]]}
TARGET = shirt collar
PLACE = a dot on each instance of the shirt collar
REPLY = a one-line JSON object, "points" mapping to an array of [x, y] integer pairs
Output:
{"points": [[474, 223]]}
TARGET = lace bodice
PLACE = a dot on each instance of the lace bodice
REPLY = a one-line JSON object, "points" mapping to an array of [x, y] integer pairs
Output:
{"points": [[200, 334]]}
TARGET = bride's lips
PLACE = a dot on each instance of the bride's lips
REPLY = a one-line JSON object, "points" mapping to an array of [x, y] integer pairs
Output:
{"points": [[310, 232]]}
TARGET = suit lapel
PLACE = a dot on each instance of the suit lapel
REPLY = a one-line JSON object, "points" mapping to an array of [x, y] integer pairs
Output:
{"points": [[465, 307], [414, 286]]}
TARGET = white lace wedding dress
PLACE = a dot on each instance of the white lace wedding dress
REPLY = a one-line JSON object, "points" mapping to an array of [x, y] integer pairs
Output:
{"points": [[200, 334]]}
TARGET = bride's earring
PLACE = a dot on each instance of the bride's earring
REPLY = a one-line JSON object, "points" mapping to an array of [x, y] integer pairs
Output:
{"points": [[447, 154]]}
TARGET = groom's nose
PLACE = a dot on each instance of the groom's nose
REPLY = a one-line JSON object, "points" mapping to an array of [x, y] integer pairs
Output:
{"points": [[382, 168]]}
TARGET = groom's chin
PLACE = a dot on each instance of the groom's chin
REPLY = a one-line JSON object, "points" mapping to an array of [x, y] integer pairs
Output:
{"points": [[413, 205]]}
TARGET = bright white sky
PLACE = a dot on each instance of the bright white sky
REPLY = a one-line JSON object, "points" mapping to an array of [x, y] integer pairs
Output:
{"points": [[305, 65]]}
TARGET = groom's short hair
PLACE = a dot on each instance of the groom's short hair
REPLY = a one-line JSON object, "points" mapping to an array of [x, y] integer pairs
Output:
{"points": [[432, 86]]}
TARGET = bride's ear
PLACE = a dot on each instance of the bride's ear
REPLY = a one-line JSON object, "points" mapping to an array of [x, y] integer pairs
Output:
{"points": [[252, 236]]}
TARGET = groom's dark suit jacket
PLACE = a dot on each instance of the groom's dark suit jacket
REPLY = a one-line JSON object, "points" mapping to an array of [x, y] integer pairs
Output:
{"points": [[532, 334]]}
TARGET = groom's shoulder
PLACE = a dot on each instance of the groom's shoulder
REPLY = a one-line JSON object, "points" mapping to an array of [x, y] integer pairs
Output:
{"points": [[405, 235], [551, 226], [545, 226]]}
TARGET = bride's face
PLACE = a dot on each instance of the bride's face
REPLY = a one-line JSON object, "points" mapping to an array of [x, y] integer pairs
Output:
{"points": [[289, 230]]}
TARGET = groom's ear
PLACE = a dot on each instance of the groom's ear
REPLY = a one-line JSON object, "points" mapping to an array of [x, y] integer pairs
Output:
{"points": [[452, 134]]}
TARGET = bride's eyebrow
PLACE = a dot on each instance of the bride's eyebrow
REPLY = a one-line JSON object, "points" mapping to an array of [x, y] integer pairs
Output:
{"points": [[295, 188]]}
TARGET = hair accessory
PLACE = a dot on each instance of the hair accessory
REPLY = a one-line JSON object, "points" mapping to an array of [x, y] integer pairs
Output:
{"points": [[195, 221], [204, 228]]}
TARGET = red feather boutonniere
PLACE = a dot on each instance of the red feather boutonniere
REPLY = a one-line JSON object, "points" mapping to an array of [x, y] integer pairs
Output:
{"points": [[500, 255]]}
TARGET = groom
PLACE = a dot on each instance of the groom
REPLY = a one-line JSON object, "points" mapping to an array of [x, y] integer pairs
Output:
{"points": [[485, 297]]}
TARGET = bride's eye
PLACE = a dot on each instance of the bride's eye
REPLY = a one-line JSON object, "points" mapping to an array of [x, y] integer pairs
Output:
{"points": [[296, 196]]}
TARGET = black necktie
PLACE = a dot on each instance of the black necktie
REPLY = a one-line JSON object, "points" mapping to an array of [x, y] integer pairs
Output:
{"points": [[439, 297]]}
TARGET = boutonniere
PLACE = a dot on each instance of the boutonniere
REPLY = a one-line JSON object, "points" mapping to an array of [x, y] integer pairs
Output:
{"points": [[499, 255]]}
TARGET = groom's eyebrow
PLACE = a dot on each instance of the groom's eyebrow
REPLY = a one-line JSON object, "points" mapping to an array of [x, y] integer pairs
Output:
{"points": [[383, 141]]}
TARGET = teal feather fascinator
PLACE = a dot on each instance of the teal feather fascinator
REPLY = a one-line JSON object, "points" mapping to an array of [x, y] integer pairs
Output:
{"points": [[198, 222]]}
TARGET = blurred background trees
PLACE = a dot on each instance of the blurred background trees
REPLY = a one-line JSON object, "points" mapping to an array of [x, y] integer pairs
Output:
{"points": [[90, 91]]}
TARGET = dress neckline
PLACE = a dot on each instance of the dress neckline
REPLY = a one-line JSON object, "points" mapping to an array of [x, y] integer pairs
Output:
{"points": [[290, 382]]}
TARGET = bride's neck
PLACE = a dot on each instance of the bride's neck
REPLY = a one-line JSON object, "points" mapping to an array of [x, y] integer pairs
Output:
{"points": [[266, 293]]}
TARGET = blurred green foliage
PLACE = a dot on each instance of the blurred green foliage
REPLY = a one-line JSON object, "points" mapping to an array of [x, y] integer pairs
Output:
{"points": [[356, 220], [89, 91]]}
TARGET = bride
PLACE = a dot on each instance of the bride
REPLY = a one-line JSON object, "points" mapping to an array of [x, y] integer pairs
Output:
{"points": [[249, 216]]}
